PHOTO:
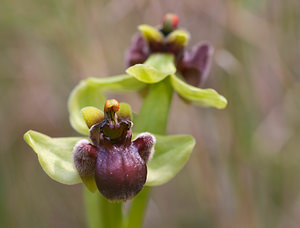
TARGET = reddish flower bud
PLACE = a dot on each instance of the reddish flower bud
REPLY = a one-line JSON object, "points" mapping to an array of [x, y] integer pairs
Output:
{"points": [[169, 23]]}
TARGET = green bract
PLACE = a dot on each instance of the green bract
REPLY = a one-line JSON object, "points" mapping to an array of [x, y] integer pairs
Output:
{"points": [[55, 157]]}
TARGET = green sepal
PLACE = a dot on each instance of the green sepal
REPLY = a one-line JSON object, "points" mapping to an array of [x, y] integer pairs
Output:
{"points": [[119, 83], [151, 34], [84, 94], [125, 111], [201, 97], [155, 69], [171, 154], [90, 92], [92, 115], [179, 37], [55, 156]]}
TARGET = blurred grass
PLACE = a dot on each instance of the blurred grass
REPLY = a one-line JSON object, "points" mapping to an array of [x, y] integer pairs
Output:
{"points": [[245, 170]]}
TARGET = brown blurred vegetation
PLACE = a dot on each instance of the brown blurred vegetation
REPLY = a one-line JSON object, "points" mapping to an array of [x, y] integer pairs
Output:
{"points": [[245, 169]]}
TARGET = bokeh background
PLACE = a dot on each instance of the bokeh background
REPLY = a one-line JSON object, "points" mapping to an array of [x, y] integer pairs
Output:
{"points": [[245, 169]]}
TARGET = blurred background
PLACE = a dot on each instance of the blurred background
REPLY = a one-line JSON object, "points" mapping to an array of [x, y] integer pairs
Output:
{"points": [[245, 169]]}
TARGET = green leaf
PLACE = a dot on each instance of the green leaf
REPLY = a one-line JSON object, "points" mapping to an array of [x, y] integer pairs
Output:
{"points": [[55, 156], [202, 97], [155, 69], [150, 33], [171, 154], [180, 37], [90, 92]]}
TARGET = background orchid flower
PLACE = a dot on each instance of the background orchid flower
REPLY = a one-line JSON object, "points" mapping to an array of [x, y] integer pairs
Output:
{"points": [[156, 54], [193, 65]]}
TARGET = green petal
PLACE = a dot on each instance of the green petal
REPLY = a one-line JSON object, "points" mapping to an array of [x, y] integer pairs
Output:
{"points": [[125, 111], [55, 156], [179, 37], [202, 97], [92, 115], [171, 154], [150, 33], [155, 69], [90, 92]]}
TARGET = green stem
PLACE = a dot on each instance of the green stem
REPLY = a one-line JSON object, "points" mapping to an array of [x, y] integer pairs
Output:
{"points": [[92, 209], [153, 117], [154, 113], [137, 211], [101, 213]]}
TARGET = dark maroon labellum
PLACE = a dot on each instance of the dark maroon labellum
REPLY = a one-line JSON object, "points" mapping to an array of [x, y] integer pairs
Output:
{"points": [[117, 163], [120, 172]]}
